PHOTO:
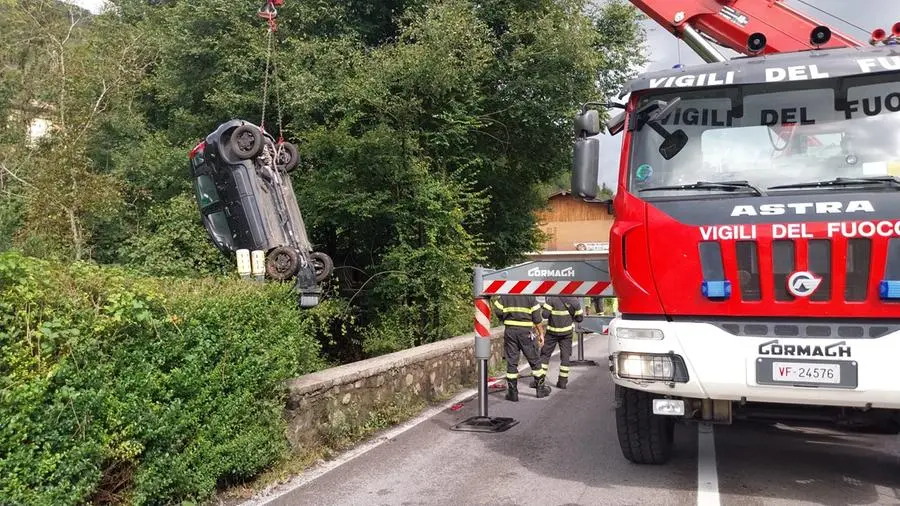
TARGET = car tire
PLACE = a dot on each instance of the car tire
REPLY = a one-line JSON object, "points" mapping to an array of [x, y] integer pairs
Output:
{"points": [[288, 157], [245, 142], [322, 264], [282, 263], [644, 438]]}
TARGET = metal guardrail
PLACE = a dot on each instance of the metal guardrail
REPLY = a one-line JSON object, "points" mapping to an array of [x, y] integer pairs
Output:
{"points": [[598, 324]]}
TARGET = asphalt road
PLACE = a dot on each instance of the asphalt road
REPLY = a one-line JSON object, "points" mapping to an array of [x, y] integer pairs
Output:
{"points": [[564, 451]]}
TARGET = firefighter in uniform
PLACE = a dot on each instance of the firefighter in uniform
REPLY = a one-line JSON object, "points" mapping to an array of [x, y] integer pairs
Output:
{"points": [[561, 313], [521, 316]]}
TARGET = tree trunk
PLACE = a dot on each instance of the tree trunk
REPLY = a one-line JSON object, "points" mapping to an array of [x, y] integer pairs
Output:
{"points": [[77, 245]]}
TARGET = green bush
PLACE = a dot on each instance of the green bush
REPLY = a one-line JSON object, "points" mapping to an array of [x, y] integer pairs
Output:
{"points": [[172, 242], [121, 388]]}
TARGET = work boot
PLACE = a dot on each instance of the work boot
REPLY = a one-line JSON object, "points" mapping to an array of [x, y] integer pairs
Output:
{"points": [[544, 368], [512, 390], [562, 382], [542, 389]]}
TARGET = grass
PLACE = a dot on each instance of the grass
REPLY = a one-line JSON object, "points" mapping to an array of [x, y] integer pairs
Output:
{"points": [[497, 370]]}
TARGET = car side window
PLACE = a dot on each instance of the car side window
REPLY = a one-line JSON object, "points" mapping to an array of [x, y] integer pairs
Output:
{"points": [[218, 226], [206, 191]]}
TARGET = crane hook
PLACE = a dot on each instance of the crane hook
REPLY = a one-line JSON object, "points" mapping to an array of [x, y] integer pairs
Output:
{"points": [[269, 12]]}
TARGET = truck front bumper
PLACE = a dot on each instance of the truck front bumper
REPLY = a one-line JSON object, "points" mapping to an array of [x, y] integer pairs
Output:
{"points": [[696, 360]]}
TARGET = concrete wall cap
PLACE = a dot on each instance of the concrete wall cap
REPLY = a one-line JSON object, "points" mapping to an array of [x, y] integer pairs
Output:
{"points": [[349, 373]]}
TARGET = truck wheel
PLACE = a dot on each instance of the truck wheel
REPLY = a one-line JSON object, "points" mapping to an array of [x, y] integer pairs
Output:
{"points": [[645, 438], [288, 157], [322, 264], [282, 263], [246, 142]]}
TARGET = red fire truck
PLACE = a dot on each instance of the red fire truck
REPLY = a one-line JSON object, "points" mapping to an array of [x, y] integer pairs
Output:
{"points": [[756, 245]]}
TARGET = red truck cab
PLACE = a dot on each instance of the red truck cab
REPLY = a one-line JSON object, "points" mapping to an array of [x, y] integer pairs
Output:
{"points": [[756, 247]]}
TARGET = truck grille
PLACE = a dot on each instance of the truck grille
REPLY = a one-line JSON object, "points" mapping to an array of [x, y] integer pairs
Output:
{"points": [[847, 267]]}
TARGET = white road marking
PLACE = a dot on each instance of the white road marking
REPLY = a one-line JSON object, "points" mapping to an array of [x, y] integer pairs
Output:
{"points": [[273, 492], [707, 475]]}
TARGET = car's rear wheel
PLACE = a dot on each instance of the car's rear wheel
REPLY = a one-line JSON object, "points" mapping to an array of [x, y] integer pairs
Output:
{"points": [[288, 157], [322, 264], [282, 263], [246, 142], [645, 438]]}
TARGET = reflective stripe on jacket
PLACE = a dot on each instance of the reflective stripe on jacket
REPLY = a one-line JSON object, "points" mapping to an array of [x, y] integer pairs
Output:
{"points": [[561, 313], [518, 310]]}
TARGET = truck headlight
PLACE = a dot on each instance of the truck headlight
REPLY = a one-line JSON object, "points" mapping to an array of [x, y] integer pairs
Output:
{"points": [[629, 333], [651, 367]]}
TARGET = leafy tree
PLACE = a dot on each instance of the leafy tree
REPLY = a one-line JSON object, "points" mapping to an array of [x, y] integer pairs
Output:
{"points": [[619, 42], [170, 242], [70, 75]]}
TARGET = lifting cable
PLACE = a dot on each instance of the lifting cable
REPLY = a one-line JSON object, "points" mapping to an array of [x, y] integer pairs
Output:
{"points": [[269, 12], [823, 11]]}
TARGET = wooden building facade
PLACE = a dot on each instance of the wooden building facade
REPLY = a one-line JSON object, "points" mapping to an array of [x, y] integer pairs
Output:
{"points": [[575, 225]]}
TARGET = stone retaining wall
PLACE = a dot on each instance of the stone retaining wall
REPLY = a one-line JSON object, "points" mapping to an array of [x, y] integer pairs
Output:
{"points": [[346, 394]]}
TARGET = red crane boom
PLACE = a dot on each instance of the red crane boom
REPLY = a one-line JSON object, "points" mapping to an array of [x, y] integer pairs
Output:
{"points": [[731, 23]]}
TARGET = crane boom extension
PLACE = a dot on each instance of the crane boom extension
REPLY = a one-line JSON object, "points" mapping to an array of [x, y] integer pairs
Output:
{"points": [[731, 23]]}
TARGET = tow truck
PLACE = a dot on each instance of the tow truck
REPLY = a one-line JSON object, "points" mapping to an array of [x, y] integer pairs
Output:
{"points": [[755, 251]]}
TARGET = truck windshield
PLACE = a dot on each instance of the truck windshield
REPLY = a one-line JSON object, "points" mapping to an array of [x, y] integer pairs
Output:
{"points": [[773, 135]]}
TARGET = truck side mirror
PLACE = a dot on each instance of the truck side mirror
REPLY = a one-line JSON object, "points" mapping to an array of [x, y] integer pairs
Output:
{"points": [[585, 167], [587, 123]]}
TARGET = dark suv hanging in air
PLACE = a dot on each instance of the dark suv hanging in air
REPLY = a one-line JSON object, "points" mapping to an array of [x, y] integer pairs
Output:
{"points": [[244, 193]]}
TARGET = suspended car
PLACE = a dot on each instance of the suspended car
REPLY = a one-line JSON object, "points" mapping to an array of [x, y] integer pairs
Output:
{"points": [[243, 189]]}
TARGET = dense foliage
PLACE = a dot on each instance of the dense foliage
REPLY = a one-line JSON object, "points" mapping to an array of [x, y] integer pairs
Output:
{"points": [[430, 131], [113, 384]]}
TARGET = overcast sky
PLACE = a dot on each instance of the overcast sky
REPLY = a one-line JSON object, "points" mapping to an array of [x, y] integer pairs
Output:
{"points": [[663, 49]]}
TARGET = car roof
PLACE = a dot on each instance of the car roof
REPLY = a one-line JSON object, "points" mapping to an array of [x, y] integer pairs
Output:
{"points": [[781, 67]]}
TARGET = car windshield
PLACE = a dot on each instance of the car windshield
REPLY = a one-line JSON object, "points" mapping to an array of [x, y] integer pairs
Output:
{"points": [[771, 135]]}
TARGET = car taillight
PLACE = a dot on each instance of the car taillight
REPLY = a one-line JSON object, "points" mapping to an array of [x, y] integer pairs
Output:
{"points": [[197, 149]]}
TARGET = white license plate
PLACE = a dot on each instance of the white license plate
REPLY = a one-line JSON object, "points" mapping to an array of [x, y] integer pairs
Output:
{"points": [[794, 372]]}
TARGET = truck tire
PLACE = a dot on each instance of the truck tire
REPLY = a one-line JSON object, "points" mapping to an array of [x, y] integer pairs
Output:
{"points": [[322, 264], [245, 142], [645, 438], [282, 263]]}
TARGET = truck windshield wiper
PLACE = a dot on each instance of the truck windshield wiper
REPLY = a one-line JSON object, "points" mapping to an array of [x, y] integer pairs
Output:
{"points": [[892, 181], [710, 185]]}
